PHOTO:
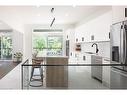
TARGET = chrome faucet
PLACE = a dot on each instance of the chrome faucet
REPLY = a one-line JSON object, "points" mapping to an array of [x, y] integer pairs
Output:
{"points": [[96, 47]]}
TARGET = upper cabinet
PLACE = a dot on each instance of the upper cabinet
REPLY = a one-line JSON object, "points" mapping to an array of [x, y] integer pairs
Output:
{"points": [[82, 34], [118, 13], [96, 29]]}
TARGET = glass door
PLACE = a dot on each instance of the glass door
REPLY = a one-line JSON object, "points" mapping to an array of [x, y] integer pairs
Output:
{"points": [[5, 47]]}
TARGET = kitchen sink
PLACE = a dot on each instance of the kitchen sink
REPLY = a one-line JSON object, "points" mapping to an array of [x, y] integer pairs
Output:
{"points": [[90, 52]]}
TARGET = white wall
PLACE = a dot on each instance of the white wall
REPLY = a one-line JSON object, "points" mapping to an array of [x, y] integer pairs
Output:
{"points": [[4, 26], [13, 22], [17, 37]]}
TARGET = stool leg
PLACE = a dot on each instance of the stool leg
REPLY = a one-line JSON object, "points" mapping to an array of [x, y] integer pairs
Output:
{"points": [[32, 72], [41, 73]]}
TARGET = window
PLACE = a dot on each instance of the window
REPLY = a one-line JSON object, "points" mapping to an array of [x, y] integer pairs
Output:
{"points": [[46, 43], [5, 46], [54, 45]]}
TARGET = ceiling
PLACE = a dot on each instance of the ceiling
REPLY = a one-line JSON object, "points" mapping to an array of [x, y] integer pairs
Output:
{"points": [[43, 15]]}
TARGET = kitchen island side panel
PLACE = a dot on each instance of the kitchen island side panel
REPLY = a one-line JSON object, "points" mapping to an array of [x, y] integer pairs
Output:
{"points": [[57, 76]]}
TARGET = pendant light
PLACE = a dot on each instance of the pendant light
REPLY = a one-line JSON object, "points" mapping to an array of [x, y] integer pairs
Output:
{"points": [[53, 20]]}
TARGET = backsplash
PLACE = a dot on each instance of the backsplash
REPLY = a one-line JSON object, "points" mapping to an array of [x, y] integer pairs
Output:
{"points": [[104, 48]]}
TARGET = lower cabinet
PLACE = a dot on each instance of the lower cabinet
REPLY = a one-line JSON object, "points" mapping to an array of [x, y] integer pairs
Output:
{"points": [[57, 76], [96, 71], [87, 60]]}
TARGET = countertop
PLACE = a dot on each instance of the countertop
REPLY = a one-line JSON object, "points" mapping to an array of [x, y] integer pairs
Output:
{"points": [[95, 54], [54, 56]]}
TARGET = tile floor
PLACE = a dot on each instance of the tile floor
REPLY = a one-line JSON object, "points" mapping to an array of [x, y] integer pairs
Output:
{"points": [[6, 67], [78, 78]]}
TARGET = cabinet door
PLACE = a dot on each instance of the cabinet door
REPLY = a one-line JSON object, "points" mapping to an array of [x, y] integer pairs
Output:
{"points": [[78, 38], [96, 71], [78, 35], [82, 32], [57, 76]]}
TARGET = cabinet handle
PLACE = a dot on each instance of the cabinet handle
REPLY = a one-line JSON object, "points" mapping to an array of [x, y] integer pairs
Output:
{"points": [[125, 12], [84, 57], [98, 60], [109, 35]]}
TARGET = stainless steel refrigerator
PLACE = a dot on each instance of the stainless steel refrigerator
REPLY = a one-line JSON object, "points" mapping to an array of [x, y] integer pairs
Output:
{"points": [[118, 40]]}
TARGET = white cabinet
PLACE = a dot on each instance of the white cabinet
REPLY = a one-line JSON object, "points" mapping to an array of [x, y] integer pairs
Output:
{"points": [[79, 34], [99, 27], [96, 71], [83, 58], [82, 33], [87, 59], [118, 13], [106, 73]]}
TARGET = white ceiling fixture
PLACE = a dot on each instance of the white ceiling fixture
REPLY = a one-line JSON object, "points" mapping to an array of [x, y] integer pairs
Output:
{"points": [[74, 5], [38, 14], [66, 14], [37, 6]]}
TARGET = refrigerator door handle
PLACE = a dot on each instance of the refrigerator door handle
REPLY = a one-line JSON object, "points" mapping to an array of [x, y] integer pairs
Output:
{"points": [[125, 30], [125, 44]]}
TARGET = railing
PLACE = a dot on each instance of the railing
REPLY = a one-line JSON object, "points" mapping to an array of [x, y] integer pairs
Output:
{"points": [[22, 72], [68, 76]]}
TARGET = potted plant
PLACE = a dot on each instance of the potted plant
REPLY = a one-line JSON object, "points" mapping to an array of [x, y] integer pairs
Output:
{"points": [[35, 53], [18, 57]]}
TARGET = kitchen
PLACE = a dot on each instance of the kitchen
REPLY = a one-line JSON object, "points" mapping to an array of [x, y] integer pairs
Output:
{"points": [[84, 39]]}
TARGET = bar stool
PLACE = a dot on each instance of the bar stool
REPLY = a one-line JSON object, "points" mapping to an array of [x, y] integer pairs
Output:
{"points": [[36, 64]]}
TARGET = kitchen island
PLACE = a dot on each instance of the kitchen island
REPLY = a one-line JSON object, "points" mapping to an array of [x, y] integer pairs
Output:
{"points": [[56, 76]]}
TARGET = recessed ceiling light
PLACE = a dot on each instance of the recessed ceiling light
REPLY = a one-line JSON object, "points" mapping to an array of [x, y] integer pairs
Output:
{"points": [[37, 6], [38, 14], [66, 14], [74, 5]]}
